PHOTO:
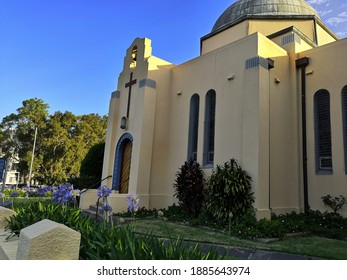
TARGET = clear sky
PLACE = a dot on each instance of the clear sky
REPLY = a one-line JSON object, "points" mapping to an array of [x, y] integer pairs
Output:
{"points": [[70, 52]]}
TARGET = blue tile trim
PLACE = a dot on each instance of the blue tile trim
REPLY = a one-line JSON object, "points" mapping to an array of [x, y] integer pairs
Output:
{"points": [[118, 160], [256, 62], [115, 94], [148, 83], [291, 38]]}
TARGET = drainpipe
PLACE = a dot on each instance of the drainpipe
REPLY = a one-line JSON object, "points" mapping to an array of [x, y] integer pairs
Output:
{"points": [[271, 65], [301, 64]]}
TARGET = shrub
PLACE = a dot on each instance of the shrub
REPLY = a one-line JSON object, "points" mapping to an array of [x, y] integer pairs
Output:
{"points": [[335, 203], [91, 168], [84, 182], [91, 165], [229, 191], [189, 187]]}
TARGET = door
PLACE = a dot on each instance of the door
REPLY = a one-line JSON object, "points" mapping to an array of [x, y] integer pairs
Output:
{"points": [[125, 170]]}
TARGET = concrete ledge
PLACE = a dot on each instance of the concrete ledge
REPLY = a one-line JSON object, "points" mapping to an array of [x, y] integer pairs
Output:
{"points": [[3, 255], [8, 248]]}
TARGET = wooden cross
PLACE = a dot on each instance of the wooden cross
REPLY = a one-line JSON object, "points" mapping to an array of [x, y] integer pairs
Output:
{"points": [[129, 85]]}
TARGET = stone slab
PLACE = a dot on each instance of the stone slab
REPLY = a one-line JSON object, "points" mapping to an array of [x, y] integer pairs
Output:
{"points": [[48, 240], [5, 213]]}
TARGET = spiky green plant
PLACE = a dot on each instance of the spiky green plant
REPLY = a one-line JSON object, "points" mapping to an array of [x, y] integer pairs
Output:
{"points": [[228, 191]]}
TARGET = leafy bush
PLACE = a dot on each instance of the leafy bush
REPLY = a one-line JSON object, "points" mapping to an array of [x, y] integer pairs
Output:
{"points": [[84, 182], [91, 168], [229, 191], [91, 165], [189, 187], [335, 203]]}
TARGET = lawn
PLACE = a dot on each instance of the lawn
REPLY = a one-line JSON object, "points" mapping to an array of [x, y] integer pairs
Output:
{"points": [[310, 245]]}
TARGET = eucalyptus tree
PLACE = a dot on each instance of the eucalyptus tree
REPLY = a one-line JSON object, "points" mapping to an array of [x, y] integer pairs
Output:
{"points": [[63, 140], [18, 132]]}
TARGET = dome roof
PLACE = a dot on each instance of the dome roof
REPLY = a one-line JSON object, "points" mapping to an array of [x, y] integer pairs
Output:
{"points": [[272, 8]]}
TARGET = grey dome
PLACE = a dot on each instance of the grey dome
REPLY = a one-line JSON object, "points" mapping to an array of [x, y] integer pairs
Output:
{"points": [[272, 8]]}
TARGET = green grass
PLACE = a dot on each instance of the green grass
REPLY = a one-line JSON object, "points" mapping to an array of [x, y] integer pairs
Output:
{"points": [[311, 245]]}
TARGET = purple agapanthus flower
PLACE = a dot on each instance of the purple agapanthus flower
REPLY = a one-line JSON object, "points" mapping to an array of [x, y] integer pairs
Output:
{"points": [[133, 203], [63, 194], [14, 194], [6, 204], [104, 191], [75, 193], [106, 208], [41, 192]]}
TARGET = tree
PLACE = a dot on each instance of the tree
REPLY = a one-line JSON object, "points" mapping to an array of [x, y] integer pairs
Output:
{"points": [[63, 140], [92, 163], [91, 167], [90, 130], [18, 132], [68, 140], [58, 148]]}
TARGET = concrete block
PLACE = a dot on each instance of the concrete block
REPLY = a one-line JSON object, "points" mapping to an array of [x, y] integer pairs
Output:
{"points": [[5, 213], [48, 240]]}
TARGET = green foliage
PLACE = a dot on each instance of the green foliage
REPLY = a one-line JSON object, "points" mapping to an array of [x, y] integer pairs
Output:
{"points": [[335, 203], [122, 243], [18, 132], [63, 140], [92, 163], [189, 187], [229, 191], [35, 211], [141, 213], [327, 225], [83, 182], [7, 193], [104, 241]]}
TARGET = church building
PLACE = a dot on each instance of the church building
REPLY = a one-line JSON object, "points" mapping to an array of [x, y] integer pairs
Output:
{"points": [[269, 89]]}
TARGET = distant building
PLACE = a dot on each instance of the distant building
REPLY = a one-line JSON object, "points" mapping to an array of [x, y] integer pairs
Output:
{"points": [[11, 177], [269, 89]]}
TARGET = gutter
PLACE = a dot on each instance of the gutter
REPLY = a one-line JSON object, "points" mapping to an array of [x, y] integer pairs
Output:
{"points": [[301, 64]]}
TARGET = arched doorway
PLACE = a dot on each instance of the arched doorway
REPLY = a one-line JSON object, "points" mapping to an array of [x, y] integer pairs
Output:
{"points": [[122, 165], [125, 169]]}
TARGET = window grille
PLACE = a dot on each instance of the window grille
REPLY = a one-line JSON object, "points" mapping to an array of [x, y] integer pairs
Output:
{"points": [[323, 131]]}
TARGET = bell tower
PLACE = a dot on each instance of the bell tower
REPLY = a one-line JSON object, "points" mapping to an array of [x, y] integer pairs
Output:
{"points": [[128, 151]]}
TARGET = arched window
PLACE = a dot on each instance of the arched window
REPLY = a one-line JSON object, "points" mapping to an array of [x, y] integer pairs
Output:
{"points": [[210, 111], [193, 127], [133, 57], [324, 163], [121, 172], [344, 122]]}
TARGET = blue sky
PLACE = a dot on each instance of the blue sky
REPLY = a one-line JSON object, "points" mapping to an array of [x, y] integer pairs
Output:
{"points": [[70, 52]]}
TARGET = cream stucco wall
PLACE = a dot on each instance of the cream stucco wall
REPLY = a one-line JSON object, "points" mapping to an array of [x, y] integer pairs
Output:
{"points": [[226, 37], [257, 121], [312, 28], [242, 114], [324, 37], [328, 64]]}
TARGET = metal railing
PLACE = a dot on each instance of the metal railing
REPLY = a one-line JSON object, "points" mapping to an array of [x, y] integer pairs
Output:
{"points": [[94, 185]]}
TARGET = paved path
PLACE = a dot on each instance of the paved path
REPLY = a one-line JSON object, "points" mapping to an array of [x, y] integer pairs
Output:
{"points": [[255, 254], [8, 249]]}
